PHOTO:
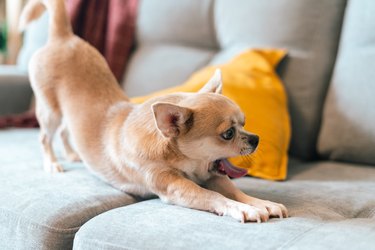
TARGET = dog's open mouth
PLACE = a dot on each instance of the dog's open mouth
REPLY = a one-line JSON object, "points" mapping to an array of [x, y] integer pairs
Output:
{"points": [[224, 167]]}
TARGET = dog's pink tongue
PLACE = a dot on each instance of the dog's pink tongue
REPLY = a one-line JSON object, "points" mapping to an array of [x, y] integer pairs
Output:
{"points": [[233, 171]]}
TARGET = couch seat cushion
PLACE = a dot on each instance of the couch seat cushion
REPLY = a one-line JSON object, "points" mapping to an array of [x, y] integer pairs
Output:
{"points": [[40, 210], [331, 205]]}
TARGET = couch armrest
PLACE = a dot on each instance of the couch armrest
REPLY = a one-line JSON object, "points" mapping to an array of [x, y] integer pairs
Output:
{"points": [[15, 90]]}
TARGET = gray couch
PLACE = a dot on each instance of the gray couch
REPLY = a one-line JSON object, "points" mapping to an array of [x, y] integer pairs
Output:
{"points": [[330, 190]]}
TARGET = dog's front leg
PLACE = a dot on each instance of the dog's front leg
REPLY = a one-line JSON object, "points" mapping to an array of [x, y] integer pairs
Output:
{"points": [[225, 186], [172, 187]]}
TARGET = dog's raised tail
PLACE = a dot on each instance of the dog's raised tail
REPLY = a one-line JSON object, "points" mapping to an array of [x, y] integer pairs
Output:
{"points": [[59, 24]]}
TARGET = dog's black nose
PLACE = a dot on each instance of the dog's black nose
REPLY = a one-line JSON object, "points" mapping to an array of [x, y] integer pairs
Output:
{"points": [[253, 140]]}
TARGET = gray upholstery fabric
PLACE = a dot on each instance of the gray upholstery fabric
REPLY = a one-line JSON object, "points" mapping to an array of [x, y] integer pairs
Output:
{"points": [[15, 90], [174, 39], [185, 22], [331, 205], [154, 67], [348, 132], [43, 211]]}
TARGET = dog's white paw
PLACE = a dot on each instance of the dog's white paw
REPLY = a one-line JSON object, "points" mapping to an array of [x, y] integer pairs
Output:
{"points": [[53, 167], [244, 212], [274, 209]]}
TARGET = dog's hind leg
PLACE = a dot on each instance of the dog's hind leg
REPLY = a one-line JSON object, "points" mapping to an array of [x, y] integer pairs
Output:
{"points": [[70, 154], [49, 121]]}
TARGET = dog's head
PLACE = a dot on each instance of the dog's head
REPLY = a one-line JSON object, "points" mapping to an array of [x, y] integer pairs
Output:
{"points": [[207, 126]]}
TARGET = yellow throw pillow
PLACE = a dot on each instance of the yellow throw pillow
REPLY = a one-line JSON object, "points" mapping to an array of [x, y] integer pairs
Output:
{"points": [[250, 80]]}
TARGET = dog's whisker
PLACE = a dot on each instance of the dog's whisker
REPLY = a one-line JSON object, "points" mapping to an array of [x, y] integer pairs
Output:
{"points": [[248, 160]]}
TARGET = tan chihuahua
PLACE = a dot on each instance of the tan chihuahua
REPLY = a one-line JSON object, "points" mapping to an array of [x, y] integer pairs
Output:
{"points": [[170, 146]]}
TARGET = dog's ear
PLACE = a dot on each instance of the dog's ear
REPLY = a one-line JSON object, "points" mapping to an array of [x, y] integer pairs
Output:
{"points": [[214, 85], [172, 120]]}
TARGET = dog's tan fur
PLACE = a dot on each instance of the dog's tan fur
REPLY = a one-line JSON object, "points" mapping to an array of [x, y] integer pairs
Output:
{"points": [[166, 146]]}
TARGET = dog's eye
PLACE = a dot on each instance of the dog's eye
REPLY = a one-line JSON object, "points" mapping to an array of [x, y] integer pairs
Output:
{"points": [[229, 134]]}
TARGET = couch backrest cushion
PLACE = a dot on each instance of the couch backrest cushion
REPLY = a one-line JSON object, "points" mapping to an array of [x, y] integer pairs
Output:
{"points": [[34, 38], [175, 38], [348, 127], [310, 31]]}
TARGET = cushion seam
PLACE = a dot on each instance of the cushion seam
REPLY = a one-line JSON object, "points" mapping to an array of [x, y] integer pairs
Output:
{"points": [[328, 208], [100, 243], [34, 223], [294, 239]]}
